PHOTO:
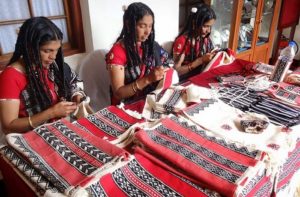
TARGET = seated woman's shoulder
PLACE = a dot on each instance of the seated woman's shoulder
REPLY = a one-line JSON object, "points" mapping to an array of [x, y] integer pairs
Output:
{"points": [[18, 66], [117, 54], [13, 70], [181, 38]]}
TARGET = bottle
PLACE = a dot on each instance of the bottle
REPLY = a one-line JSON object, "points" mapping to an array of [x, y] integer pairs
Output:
{"points": [[283, 62]]}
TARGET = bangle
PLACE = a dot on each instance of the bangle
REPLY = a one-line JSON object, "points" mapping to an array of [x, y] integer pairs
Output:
{"points": [[137, 86], [30, 122], [133, 87]]}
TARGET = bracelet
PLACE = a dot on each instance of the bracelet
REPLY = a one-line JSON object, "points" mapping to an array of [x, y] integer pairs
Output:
{"points": [[30, 122], [137, 86]]}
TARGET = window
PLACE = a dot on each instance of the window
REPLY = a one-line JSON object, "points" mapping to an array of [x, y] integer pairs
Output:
{"points": [[66, 14]]}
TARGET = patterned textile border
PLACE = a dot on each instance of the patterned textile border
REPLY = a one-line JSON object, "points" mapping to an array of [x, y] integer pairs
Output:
{"points": [[108, 123], [289, 168], [224, 167], [66, 155], [141, 177], [37, 180]]}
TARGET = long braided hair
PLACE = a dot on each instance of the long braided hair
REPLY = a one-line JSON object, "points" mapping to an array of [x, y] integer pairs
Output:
{"points": [[195, 21], [34, 33], [134, 13]]}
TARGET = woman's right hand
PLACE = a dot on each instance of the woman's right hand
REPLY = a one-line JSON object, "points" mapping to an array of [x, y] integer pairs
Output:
{"points": [[63, 109], [207, 57], [156, 74]]}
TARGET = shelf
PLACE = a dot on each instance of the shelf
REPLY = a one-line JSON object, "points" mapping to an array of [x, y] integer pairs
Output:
{"points": [[267, 13]]}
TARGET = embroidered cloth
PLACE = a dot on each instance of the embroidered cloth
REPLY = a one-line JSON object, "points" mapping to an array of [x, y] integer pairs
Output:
{"points": [[226, 123], [141, 177], [68, 156], [207, 159], [110, 123], [168, 101], [28, 173]]}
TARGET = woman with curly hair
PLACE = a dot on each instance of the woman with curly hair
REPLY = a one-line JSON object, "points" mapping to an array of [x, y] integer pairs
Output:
{"points": [[192, 48], [37, 86], [136, 62]]}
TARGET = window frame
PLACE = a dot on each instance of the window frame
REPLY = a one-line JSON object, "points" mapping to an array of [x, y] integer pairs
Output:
{"points": [[74, 24]]}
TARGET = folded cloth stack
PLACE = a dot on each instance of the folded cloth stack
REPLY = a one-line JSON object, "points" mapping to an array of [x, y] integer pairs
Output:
{"points": [[278, 112], [37, 182], [142, 177], [69, 157], [227, 124], [206, 159]]}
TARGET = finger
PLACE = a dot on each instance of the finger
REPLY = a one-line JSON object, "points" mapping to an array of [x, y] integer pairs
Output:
{"points": [[160, 68], [182, 58], [69, 103], [166, 69]]}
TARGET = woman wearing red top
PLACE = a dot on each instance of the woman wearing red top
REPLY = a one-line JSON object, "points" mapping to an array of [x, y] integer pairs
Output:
{"points": [[37, 85], [192, 48], [136, 61]]}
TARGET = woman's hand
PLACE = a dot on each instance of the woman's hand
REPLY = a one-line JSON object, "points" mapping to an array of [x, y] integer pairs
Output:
{"points": [[77, 98], [156, 74], [63, 109], [179, 61], [207, 57]]}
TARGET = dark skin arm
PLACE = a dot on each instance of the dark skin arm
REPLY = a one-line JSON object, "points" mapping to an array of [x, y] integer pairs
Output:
{"points": [[183, 69], [9, 113], [121, 91]]}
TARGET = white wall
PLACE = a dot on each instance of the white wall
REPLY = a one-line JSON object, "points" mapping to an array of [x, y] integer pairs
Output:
{"points": [[102, 21]]}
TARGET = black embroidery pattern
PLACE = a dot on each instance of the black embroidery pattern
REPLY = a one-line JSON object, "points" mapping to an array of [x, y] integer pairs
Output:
{"points": [[290, 167], [174, 98], [200, 107], [154, 114], [293, 88], [251, 184], [202, 150], [265, 190], [121, 179], [96, 119], [65, 152], [40, 164], [186, 153], [242, 150], [82, 144], [28, 171], [96, 190]]}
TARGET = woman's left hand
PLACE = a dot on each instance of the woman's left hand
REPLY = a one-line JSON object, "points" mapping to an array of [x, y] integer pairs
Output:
{"points": [[77, 98]]}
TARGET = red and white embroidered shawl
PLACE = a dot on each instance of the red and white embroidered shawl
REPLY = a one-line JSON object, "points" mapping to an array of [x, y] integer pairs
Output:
{"points": [[289, 176], [35, 180], [141, 177], [110, 123], [68, 156], [208, 160]]}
